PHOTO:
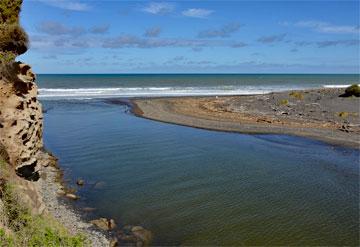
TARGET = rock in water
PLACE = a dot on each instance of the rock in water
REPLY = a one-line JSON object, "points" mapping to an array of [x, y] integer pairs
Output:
{"points": [[80, 182], [145, 236], [104, 224]]}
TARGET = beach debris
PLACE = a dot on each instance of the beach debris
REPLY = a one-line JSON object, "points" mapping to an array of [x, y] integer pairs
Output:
{"points": [[104, 223], [71, 196], [80, 182]]}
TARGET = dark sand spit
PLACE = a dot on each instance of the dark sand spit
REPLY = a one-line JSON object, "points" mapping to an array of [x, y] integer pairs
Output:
{"points": [[320, 114]]}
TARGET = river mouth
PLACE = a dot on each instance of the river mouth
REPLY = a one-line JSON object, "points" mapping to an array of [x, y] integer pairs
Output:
{"points": [[197, 187]]}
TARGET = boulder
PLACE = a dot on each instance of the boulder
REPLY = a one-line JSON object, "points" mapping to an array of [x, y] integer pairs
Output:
{"points": [[104, 224], [145, 236]]}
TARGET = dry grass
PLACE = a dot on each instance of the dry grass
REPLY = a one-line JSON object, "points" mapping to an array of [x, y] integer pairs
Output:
{"points": [[297, 95]]}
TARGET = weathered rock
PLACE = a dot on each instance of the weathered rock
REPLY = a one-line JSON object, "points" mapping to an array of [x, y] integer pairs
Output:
{"points": [[21, 120], [104, 224]]}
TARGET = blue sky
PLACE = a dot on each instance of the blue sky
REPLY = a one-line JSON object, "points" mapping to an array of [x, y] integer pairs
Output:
{"points": [[70, 36]]}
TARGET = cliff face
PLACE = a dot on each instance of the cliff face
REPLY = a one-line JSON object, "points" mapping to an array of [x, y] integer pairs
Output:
{"points": [[21, 121], [20, 112]]}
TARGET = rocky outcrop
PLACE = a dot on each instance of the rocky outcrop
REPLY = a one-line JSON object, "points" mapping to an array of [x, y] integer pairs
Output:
{"points": [[21, 124], [21, 121]]}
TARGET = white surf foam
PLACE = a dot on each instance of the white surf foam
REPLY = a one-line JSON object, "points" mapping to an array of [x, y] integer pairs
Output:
{"points": [[337, 86], [82, 93]]}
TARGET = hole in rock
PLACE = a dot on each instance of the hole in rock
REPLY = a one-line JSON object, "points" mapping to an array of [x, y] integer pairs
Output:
{"points": [[28, 172]]}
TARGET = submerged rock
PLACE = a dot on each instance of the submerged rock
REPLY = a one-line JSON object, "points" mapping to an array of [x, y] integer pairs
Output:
{"points": [[104, 224], [80, 182], [99, 185], [88, 209], [145, 236]]}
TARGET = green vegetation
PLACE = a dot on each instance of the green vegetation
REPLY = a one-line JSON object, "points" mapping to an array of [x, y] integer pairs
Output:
{"points": [[13, 39], [297, 95], [353, 90], [18, 227], [284, 102]]}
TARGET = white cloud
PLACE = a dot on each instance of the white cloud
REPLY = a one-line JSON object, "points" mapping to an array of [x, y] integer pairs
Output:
{"points": [[197, 13], [324, 27], [67, 4], [159, 8]]}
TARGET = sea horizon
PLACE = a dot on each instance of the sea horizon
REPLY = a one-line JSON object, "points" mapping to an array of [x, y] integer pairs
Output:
{"points": [[154, 85]]}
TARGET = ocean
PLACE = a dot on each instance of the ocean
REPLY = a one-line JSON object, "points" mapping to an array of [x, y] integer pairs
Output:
{"points": [[144, 85], [198, 187]]}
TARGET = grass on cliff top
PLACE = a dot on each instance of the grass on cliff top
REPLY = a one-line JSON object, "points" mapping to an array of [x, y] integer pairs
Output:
{"points": [[18, 227]]}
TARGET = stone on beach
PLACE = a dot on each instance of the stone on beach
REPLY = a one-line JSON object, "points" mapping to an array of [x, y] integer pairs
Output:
{"points": [[71, 196]]}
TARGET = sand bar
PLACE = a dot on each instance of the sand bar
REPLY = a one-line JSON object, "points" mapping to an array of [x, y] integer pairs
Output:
{"points": [[320, 114]]}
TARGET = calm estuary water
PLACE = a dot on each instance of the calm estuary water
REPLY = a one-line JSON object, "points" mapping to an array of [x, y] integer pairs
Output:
{"points": [[199, 187]]}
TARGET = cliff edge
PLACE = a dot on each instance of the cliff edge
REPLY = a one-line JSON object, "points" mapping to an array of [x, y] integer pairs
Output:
{"points": [[21, 118]]}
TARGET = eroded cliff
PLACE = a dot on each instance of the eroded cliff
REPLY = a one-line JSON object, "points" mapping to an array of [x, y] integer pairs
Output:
{"points": [[21, 121]]}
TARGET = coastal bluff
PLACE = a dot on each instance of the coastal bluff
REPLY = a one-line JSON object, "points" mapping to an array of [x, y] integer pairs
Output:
{"points": [[21, 121]]}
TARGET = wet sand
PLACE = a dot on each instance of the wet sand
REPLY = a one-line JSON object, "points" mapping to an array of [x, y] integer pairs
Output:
{"points": [[319, 114]]}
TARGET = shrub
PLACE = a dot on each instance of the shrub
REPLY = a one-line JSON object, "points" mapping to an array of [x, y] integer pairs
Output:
{"points": [[13, 39], [297, 95], [9, 11], [284, 102]]}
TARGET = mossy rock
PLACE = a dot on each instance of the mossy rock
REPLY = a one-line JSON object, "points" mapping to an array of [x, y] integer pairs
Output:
{"points": [[343, 114], [353, 90]]}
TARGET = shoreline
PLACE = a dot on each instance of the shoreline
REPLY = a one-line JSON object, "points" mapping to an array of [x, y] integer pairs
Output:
{"points": [[288, 112], [51, 187]]}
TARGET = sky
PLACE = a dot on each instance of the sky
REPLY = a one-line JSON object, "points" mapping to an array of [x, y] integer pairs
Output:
{"points": [[71, 36]]}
